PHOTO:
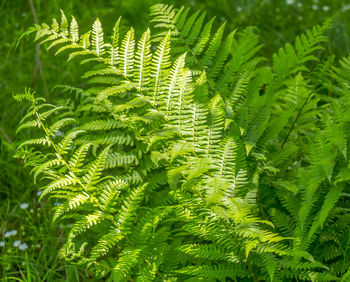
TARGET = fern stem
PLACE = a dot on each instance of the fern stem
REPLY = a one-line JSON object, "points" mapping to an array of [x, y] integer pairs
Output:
{"points": [[295, 120], [7, 138]]}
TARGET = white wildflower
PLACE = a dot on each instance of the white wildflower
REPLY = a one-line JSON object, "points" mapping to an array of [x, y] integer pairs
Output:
{"points": [[23, 206], [39, 193], [23, 246], [325, 8], [345, 8], [314, 7], [57, 204], [10, 233], [2, 243], [16, 243], [239, 9], [289, 2], [58, 133]]}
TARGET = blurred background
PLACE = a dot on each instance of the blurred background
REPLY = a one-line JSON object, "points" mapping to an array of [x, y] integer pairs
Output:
{"points": [[28, 241]]}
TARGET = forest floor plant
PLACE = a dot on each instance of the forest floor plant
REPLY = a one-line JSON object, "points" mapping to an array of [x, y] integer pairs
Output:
{"points": [[187, 156]]}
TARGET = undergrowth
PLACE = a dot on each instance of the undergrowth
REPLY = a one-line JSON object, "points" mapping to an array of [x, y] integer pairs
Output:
{"points": [[187, 155]]}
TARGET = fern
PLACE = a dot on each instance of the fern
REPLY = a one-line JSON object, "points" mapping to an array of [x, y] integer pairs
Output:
{"points": [[188, 156]]}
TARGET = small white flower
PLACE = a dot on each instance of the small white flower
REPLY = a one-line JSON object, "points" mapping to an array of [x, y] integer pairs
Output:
{"points": [[57, 204], [314, 7], [345, 8], [10, 233], [23, 246], [325, 8], [23, 206], [300, 4], [239, 9], [2, 243], [16, 243], [58, 133], [289, 2], [39, 193]]}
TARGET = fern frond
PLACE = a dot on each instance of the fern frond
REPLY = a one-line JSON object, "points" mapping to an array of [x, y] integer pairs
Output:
{"points": [[68, 182], [76, 161], [67, 141], [114, 51], [128, 209], [127, 259], [160, 65], [110, 192], [97, 37], [85, 223], [220, 272], [94, 171], [142, 61], [73, 203], [127, 53], [291, 59]]}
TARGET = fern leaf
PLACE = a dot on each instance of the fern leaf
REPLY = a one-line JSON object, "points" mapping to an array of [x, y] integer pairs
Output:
{"points": [[73, 203], [76, 161], [67, 141], [219, 272], [328, 204], [127, 259], [74, 30], [128, 210], [60, 123], [64, 24], [203, 38], [213, 46], [45, 166], [127, 53], [110, 192], [97, 37], [66, 183], [114, 51], [38, 141], [174, 75], [160, 64], [95, 169], [143, 59], [29, 124], [85, 223]]}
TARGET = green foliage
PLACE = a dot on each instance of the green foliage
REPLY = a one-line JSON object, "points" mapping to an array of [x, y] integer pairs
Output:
{"points": [[188, 156]]}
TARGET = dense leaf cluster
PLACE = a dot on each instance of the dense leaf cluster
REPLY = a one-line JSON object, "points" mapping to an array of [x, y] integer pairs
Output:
{"points": [[187, 156]]}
